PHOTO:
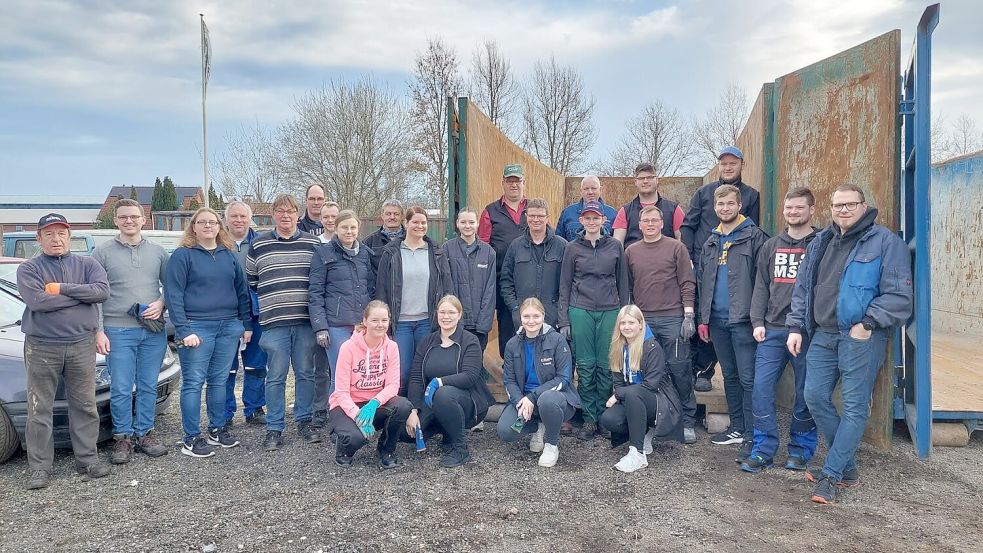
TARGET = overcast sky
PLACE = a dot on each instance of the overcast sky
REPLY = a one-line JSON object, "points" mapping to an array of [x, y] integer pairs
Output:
{"points": [[96, 94]]}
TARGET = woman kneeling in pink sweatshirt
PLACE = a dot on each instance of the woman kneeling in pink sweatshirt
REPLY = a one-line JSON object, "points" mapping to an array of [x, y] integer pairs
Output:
{"points": [[365, 397]]}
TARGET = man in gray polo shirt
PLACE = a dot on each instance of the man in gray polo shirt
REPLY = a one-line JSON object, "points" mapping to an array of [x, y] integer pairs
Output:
{"points": [[133, 348], [61, 291]]}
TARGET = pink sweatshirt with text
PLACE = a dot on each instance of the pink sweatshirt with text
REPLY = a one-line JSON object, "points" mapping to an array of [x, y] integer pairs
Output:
{"points": [[363, 375]]}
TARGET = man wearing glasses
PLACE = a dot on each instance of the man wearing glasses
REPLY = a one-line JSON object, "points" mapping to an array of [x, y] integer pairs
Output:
{"points": [[314, 201], [853, 289], [647, 184], [131, 331], [277, 267]]}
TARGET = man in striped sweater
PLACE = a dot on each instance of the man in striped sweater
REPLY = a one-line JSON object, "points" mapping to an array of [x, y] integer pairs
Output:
{"points": [[277, 267]]}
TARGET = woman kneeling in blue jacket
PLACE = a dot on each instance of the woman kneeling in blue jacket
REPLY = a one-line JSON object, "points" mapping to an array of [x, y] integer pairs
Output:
{"points": [[537, 378], [645, 405]]}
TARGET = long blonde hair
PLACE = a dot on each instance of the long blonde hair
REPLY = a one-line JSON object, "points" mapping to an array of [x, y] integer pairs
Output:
{"points": [[189, 240], [616, 360]]}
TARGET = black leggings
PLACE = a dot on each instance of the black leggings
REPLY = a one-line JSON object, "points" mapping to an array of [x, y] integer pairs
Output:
{"points": [[390, 418], [632, 415], [452, 413]]}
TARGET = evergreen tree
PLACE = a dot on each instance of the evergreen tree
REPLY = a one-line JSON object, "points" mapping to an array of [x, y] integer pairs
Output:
{"points": [[105, 219], [133, 192], [157, 202], [170, 196], [215, 201]]}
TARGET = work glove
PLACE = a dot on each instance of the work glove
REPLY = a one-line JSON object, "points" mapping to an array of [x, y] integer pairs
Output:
{"points": [[704, 331], [323, 339], [366, 415], [688, 328], [153, 325], [516, 319], [53, 288], [430, 391], [565, 332]]}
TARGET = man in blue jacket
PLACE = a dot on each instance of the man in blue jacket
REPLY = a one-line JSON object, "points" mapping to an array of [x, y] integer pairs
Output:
{"points": [[853, 289], [568, 226]]}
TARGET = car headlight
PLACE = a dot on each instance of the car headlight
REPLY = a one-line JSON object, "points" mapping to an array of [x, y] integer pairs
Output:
{"points": [[102, 376]]}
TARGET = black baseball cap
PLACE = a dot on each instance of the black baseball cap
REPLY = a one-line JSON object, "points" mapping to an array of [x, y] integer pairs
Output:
{"points": [[53, 219]]}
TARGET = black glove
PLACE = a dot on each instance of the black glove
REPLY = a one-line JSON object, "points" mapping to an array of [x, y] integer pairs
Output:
{"points": [[565, 332], [688, 328], [516, 320], [323, 338], [153, 325]]}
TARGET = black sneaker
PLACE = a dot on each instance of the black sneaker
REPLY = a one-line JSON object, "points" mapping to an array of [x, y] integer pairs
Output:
{"points": [[825, 491], [197, 447], [258, 418], [796, 462], [851, 478], [221, 437], [744, 453], [320, 419], [228, 424], [122, 450], [587, 431], [456, 456], [39, 479], [388, 460], [755, 464], [703, 384], [729, 436], [273, 440], [308, 432], [95, 470]]}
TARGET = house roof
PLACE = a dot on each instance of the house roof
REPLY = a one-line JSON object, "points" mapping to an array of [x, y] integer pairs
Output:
{"points": [[145, 194]]}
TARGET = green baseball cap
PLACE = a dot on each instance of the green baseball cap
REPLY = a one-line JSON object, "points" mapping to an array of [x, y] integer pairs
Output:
{"points": [[513, 170]]}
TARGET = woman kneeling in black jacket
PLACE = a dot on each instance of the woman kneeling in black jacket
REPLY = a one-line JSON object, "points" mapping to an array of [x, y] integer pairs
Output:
{"points": [[643, 392], [446, 388]]}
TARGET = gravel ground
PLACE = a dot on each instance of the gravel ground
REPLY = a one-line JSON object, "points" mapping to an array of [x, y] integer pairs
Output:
{"points": [[690, 498]]}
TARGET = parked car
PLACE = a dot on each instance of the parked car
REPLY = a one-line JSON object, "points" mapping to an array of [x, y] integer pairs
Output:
{"points": [[25, 245], [13, 383]]}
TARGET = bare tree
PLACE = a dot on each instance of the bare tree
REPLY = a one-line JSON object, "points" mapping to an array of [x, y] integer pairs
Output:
{"points": [[250, 164], [557, 119], [722, 124], [353, 138], [493, 86], [961, 137], [435, 76], [658, 135]]}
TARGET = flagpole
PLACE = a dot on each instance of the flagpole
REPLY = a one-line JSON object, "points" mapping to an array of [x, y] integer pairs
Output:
{"points": [[204, 120]]}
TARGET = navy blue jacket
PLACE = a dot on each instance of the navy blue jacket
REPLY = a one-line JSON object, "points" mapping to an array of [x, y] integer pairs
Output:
{"points": [[875, 283], [473, 282], [553, 364], [205, 285], [701, 218], [742, 256], [340, 285], [569, 227], [526, 275]]}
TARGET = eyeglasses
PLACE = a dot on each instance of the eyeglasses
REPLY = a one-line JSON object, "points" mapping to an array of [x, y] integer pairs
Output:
{"points": [[651, 221], [129, 217], [650, 177], [536, 217], [284, 211], [848, 206], [207, 223]]}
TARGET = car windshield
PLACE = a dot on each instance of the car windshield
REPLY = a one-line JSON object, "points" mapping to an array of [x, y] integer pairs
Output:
{"points": [[8, 275], [11, 310]]}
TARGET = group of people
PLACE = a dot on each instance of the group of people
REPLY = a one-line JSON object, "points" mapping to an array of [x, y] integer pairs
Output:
{"points": [[386, 335]]}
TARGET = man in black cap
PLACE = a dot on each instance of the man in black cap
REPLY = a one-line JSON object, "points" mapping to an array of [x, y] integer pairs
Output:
{"points": [[60, 321]]}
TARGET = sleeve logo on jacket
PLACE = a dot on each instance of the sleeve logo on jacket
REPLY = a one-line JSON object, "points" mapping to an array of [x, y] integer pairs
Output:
{"points": [[785, 266]]}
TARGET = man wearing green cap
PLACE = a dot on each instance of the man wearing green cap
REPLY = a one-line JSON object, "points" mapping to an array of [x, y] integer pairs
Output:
{"points": [[501, 222]]}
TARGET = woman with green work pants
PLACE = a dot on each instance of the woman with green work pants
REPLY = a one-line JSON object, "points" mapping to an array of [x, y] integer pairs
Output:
{"points": [[593, 287]]}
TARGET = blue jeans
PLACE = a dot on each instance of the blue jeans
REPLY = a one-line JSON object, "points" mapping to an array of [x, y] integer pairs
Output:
{"points": [[769, 364], [855, 363], [735, 347], [408, 335], [285, 346], [209, 362], [253, 377], [339, 335], [134, 359]]}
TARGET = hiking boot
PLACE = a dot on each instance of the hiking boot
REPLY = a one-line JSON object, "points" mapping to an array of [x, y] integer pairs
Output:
{"points": [[273, 440], [632, 461], [702, 384], [258, 418], [197, 447], [851, 478], [95, 470], [122, 450], [149, 444], [320, 420], [566, 429], [550, 454], [825, 491], [536, 441], [221, 437], [587, 431], [39, 479], [388, 460], [744, 453], [647, 442], [457, 456], [796, 462], [689, 436], [308, 432], [729, 436], [755, 464]]}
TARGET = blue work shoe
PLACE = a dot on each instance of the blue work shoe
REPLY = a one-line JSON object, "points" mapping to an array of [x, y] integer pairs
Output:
{"points": [[796, 462], [755, 464], [851, 477], [825, 491]]}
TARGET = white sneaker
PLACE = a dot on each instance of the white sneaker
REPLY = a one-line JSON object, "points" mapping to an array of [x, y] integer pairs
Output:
{"points": [[649, 436], [536, 441], [632, 461], [550, 454], [480, 427]]}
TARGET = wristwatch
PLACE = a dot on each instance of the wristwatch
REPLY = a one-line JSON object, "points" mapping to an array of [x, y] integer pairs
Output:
{"points": [[867, 325]]}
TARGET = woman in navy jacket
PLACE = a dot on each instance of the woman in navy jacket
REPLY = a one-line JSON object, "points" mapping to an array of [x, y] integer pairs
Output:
{"points": [[446, 386], [472, 265], [644, 405], [537, 376], [205, 291], [342, 283]]}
